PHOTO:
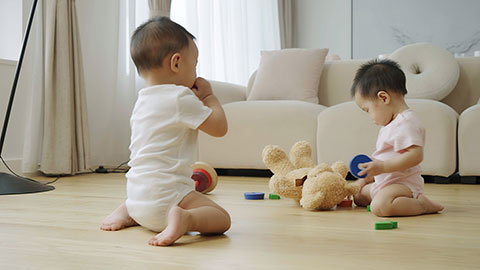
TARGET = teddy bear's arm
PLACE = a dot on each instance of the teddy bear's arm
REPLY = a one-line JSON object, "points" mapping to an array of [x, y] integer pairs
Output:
{"points": [[352, 188]]}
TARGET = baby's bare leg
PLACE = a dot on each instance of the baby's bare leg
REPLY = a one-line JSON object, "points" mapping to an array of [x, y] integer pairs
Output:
{"points": [[363, 197], [194, 213], [397, 200], [118, 219]]}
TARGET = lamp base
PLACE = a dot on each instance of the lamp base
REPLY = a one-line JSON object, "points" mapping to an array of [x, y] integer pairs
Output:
{"points": [[10, 184]]}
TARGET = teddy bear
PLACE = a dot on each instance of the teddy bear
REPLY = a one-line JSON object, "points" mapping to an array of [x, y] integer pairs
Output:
{"points": [[319, 187]]}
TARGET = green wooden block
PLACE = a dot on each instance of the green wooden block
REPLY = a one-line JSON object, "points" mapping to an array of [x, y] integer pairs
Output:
{"points": [[272, 196], [383, 225], [368, 208]]}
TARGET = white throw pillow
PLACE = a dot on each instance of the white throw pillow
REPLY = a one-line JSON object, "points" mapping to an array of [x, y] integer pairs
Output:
{"points": [[289, 74], [432, 72], [332, 57]]}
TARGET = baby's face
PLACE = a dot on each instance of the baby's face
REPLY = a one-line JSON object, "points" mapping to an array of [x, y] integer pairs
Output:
{"points": [[189, 65], [379, 111]]}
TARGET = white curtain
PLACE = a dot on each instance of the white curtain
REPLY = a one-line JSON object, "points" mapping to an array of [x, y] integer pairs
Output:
{"points": [[59, 114], [285, 17], [230, 34], [116, 134], [159, 8]]}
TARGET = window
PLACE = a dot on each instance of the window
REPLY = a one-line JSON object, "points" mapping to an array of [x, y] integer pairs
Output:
{"points": [[229, 34], [10, 29]]}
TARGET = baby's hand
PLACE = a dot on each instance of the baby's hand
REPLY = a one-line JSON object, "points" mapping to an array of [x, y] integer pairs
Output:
{"points": [[202, 88], [372, 168]]}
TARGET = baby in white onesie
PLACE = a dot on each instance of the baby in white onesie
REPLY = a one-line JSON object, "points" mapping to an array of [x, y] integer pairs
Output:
{"points": [[164, 126], [393, 185], [165, 121]]}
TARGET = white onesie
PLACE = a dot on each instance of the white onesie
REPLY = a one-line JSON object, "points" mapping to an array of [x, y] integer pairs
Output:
{"points": [[163, 145]]}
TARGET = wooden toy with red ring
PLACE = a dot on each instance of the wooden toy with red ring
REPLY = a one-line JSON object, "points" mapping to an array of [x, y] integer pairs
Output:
{"points": [[204, 176]]}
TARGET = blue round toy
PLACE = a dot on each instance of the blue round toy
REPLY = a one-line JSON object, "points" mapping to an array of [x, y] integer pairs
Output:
{"points": [[358, 159], [254, 195]]}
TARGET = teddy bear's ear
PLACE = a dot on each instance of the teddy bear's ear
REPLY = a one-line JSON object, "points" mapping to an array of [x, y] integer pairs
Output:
{"points": [[276, 160], [301, 155], [341, 168]]}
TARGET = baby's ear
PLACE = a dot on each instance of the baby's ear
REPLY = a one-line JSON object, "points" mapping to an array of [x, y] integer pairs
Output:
{"points": [[175, 62], [383, 96]]}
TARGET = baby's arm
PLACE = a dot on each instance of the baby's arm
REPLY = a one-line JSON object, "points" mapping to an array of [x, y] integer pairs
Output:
{"points": [[410, 157], [216, 123]]}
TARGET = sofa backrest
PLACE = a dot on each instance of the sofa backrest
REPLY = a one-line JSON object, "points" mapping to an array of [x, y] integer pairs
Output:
{"points": [[467, 91], [337, 78], [336, 81]]}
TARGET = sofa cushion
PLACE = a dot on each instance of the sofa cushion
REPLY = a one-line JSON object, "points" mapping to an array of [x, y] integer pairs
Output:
{"points": [[432, 72], [290, 74]]}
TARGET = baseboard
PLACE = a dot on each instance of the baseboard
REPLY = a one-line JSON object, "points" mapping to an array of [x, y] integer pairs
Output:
{"points": [[244, 172], [453, 179], [7, 62]]}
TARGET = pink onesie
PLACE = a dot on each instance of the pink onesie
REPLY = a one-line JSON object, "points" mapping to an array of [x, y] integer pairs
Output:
{"points": [[402, 132]]}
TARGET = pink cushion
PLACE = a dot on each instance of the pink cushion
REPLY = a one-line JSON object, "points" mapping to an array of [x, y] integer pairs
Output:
{"points": [[290, 74]]}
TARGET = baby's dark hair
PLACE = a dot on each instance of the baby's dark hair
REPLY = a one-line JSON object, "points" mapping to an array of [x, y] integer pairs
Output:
{"points": [[377, 75], [156, 39]]}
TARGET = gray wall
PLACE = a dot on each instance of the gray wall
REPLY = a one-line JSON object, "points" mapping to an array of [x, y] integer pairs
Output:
{"points": [[382, 26], [323, 24], [366, 28], [13, 147]]}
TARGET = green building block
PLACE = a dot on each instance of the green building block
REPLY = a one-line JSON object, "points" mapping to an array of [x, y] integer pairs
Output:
{"points": [[383, 225], [368, 208], [272, 196], [386, 225]]}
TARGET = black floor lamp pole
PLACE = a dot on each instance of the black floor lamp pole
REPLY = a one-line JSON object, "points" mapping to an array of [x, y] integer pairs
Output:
{"points": [[10, 184]]}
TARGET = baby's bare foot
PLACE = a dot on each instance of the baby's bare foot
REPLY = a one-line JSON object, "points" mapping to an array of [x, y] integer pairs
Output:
{"points": [[178, 221], [118, 219], [429, 206]]}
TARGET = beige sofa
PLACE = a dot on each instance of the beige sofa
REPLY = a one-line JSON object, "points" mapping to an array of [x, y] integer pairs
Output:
{"points": [[338, 130]]}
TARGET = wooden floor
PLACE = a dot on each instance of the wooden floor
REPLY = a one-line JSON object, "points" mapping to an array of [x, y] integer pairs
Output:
{"points": [[60, 230]]}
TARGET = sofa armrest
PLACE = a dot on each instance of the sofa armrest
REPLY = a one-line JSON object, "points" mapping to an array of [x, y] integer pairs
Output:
{"points": [[468, 137], [228, 92]]}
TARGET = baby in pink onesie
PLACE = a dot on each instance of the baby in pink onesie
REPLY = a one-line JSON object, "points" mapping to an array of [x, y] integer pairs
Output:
{"points": [[393, 185]]}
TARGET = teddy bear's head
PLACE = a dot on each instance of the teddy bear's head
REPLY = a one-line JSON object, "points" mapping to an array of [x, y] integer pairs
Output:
{"points": [[314, 187]]}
